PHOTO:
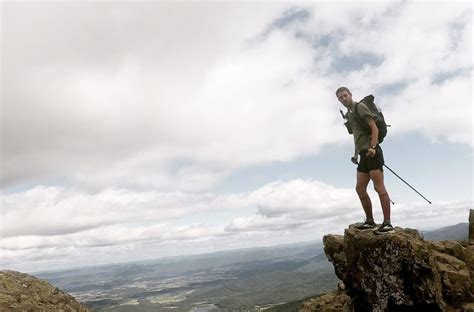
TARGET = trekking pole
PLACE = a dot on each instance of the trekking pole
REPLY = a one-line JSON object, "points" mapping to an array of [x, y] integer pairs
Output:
{"points": [[407, 183]]}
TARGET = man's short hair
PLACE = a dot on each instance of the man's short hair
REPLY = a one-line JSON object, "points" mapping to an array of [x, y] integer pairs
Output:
{"points": [[341, 89]]}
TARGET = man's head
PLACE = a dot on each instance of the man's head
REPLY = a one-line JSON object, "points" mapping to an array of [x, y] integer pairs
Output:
{"points": [[344, 96]]}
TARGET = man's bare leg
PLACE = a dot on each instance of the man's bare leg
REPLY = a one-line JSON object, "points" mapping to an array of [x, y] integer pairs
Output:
{"points": [[379, 186], [363, 180]]}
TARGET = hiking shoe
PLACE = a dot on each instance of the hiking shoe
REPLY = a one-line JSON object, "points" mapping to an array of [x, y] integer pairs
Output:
{"points": [[384, 229], [366, 225]]}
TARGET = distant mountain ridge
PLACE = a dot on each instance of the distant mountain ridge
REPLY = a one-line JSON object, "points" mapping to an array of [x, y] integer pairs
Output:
{"points": [[458, 232]]}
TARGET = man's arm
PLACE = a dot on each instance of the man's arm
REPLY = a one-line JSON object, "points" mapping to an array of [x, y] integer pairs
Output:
{"points": [[374, 138], [355, 158]]}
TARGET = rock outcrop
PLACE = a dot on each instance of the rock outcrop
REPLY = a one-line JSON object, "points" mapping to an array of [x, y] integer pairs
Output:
{"points": [[471, 226], [22, 292], [334, 301], [399, 272]]}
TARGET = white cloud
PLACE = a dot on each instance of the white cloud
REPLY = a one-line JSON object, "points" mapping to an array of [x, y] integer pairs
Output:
{"points": [[65, 113], [69, 226], [58, 211], [310, 198], [442, 112], [417, 43], [140, 99], [53, 211], [139, 110], [419, 215]]}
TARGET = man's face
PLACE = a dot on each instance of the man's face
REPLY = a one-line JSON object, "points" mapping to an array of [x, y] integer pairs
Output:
{"points": [[345, 98]]}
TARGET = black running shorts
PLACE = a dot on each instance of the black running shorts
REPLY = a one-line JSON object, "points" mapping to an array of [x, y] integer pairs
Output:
{"points": [[367, 164]]}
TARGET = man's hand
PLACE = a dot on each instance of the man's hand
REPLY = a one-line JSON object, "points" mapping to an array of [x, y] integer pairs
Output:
{"points": [[354, 159], [371, 152]]}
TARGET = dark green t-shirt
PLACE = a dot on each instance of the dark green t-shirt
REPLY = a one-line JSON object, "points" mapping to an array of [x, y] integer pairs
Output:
{"points": [[361, 139]]}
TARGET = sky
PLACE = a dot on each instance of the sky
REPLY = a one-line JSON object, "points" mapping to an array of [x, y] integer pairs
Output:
{"points": [[134, 131]]}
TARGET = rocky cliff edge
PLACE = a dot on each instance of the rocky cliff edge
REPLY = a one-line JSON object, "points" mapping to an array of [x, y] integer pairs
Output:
{"points": [[397, 272]]}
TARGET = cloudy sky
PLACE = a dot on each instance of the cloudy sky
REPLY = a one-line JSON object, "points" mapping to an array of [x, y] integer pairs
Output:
{"points": [[136, 131]]}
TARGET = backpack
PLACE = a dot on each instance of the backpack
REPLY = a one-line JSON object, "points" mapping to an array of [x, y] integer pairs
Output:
{"points": [[379, 118]]}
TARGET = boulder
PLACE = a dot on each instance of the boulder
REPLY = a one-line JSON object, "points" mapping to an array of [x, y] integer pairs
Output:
{"points": [[25, 293], [400, 271]]}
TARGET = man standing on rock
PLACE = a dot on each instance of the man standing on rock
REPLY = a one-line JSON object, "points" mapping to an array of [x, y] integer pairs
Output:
{"points": [[370, 165]]}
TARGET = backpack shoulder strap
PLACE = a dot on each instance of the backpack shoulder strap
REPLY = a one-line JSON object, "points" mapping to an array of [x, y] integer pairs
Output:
{"points": [[357, 117]]}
